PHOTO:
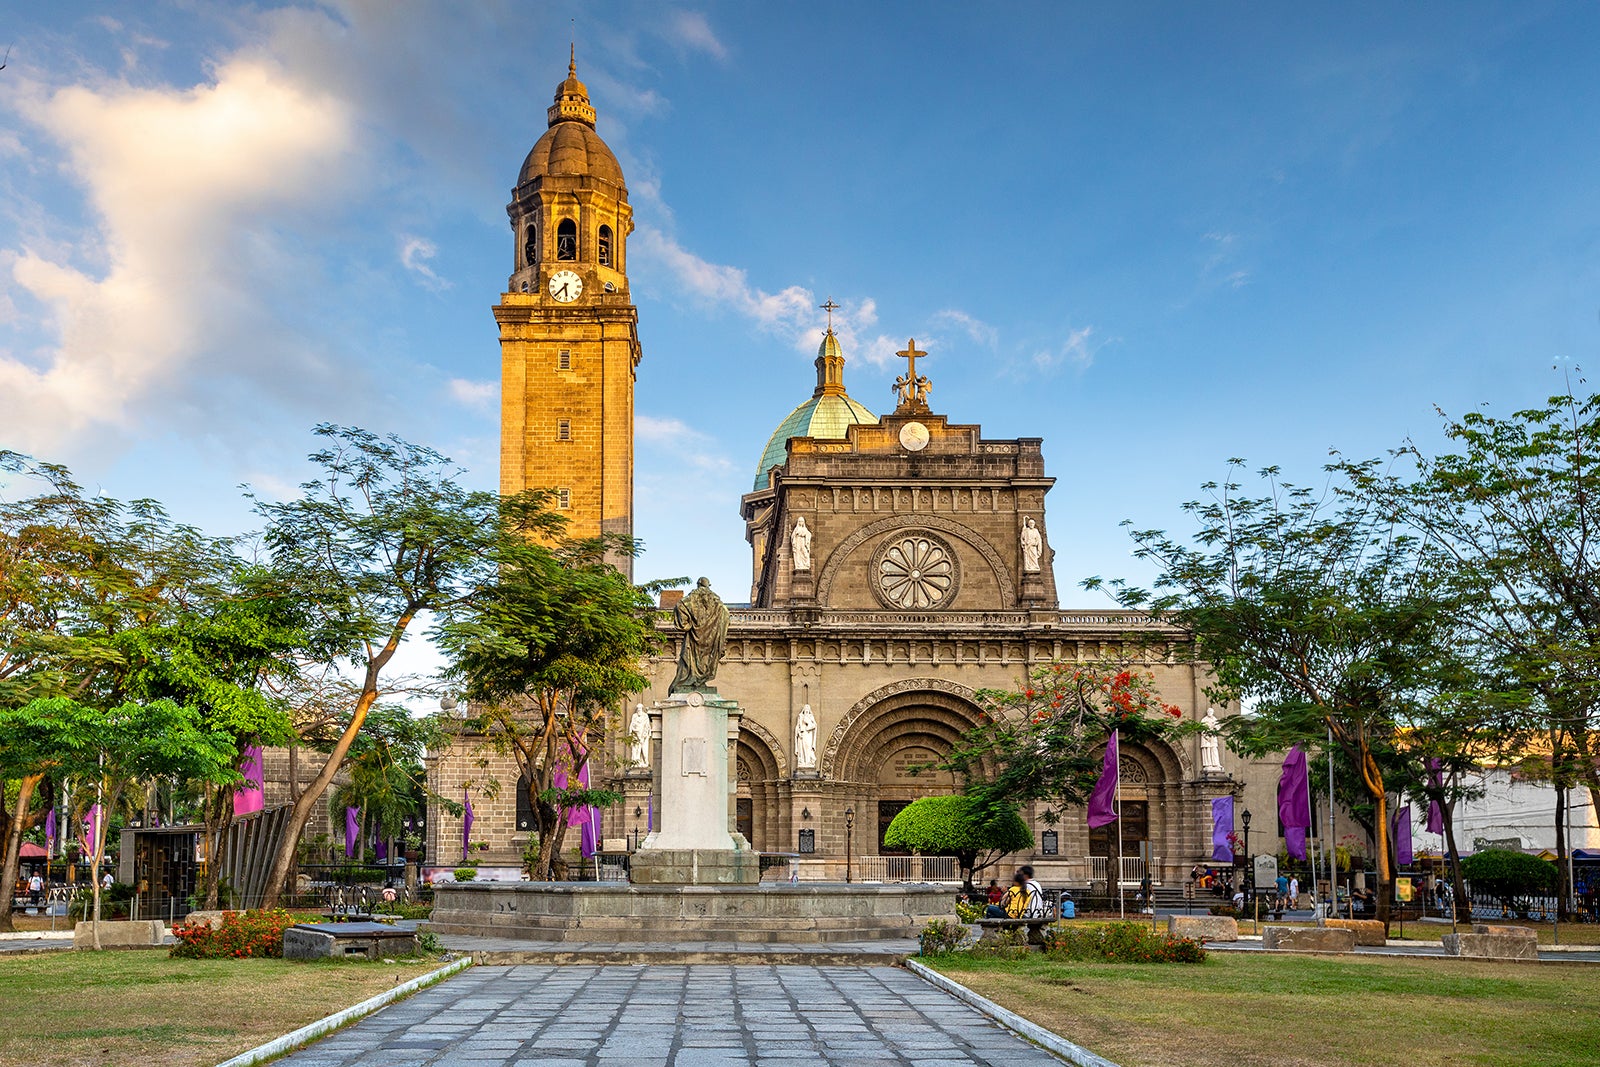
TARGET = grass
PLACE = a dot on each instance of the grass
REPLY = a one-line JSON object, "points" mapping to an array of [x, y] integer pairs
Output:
{"points": [[1244, 1010], [75, 1009]]}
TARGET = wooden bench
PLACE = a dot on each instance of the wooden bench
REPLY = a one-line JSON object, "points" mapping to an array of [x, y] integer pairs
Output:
{"points": [[992, 928]]}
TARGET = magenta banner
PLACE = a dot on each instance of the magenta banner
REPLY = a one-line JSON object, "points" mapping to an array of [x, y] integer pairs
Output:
{"points": [[1222, 829], [250, 797], [1294, 802]]}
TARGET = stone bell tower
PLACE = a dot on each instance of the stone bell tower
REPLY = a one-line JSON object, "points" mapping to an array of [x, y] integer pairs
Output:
{"points": [[569, 335]]}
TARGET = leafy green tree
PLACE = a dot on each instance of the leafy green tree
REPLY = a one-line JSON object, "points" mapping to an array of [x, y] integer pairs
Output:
{"points": [[546, 652], [1516, 517], [977, 832], [1319, 613], [387, 780], [1509, 877], [382, 536], [1045, 741]]}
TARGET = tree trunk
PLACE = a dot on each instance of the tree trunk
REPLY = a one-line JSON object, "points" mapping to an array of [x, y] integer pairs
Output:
{"points": [[1561, 852], [1372, 777], [16, 825], [1457, 883], [283, 862]]}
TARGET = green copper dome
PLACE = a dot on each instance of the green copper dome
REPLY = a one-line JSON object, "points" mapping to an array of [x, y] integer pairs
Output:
{"points": [[827, 414]]}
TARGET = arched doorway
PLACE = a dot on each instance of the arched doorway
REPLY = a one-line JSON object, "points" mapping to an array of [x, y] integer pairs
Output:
{"points": [[881, 754], [759, 769]]}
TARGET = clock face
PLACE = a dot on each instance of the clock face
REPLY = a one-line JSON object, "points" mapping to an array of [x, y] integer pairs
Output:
{"points": [[914, 436], [566, 286]]}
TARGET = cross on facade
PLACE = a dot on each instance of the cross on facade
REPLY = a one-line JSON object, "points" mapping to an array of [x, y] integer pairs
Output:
{"points": [[830, 307], [910, 356]]}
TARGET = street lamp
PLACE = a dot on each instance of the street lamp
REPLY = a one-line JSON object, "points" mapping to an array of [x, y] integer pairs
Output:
{"points": [[849, 831], [1249, 868]]}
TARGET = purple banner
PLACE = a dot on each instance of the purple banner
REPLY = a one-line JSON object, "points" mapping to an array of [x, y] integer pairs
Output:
{"points": [[1402, 835], [91, 829], [1435, 782], [1221, 828], [50, 830], [352, 831], [250, 797], [1294, 802], [1103, 801], [466, 824]]}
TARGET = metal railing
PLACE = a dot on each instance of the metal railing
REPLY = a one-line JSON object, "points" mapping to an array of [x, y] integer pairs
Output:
{"points": [[1132, 874], [908, 869]]}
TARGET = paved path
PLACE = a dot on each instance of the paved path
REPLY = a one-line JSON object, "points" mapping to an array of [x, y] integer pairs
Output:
{"points": [[684, 1016]]}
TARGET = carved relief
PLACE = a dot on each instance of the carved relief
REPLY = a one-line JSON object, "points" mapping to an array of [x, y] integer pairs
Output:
{"points": [[980, 544], [914, 572], [882, 693]]}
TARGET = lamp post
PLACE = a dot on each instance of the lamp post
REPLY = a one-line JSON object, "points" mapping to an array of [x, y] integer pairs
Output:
{"points": [[1249, 868], [849, 833]]}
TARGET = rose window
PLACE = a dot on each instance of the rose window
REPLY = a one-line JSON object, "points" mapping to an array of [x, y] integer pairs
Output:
{"points": [[915, 572]]}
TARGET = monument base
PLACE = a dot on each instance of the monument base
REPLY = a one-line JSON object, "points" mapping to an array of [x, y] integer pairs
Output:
{"points": [[620, 913], [694, 866]]}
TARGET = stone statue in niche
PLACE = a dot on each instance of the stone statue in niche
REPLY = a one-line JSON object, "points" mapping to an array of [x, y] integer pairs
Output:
{"points": [[805, 739], [800, 545], [703, 618], [639, 737], [1032, 546], [1210, 748]]}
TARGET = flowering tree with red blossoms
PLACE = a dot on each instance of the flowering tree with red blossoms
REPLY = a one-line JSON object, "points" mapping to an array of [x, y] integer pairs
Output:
{"points": [[1045, 741]]}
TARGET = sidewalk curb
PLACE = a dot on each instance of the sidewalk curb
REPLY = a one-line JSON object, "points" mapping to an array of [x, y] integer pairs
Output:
{"points": [[311, 1031], [1046, 1039]]}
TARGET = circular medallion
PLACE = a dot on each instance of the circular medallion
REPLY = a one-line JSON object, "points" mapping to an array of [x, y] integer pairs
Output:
{"points": [[914, 436], [913, 572], [694, 700]]}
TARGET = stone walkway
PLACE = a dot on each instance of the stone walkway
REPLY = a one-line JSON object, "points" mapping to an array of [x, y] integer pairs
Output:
{"points": [[685, 1016]]}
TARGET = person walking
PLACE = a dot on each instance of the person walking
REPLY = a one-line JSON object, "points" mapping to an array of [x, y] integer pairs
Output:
{"points": [[35, 889], [1294, 892]]}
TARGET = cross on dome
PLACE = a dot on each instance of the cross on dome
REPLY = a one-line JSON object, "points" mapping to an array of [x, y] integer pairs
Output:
{"points": [[830, 307], [911, 387]]}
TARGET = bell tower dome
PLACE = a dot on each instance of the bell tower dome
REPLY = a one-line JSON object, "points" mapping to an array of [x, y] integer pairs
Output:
{"points": [[569, 337]]}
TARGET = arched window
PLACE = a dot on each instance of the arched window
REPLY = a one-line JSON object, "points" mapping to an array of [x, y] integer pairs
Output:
{"points": [[530, 247], [525, 821], [567, 240], [605, 246]]}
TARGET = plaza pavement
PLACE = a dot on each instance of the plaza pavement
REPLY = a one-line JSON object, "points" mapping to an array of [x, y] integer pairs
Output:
{"points": [[664, 1015]]}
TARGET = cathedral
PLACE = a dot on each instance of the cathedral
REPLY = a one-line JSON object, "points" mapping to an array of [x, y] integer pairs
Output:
{"points": [[900, 563]]}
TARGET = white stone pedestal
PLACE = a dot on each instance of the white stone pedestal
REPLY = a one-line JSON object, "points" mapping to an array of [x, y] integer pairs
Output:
{"points": [[694, 735]]}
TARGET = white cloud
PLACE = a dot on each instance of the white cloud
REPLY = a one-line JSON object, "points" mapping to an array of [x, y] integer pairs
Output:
{"points": [[979, 331], [1074, 351], [691, 30], [478, 395], [669, 436], [183, 185], [414, 255]]}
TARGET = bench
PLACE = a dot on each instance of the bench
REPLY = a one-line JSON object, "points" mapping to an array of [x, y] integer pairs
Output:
{"points": [[992, 928]]}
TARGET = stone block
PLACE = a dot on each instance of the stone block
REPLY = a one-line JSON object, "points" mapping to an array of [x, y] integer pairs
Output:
{"points": [[315, 941], [1367, 931], [140, 933], [1203, 927], [1492, 946], [695, 866], [1307, 939], [1499, 930], [212, 919]]}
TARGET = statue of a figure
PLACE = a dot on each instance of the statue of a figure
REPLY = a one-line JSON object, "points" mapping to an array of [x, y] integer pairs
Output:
{"points": [[639, 737], [1032, 545], [805, 739], [703, 618], [1210, 750], [800, 545]]}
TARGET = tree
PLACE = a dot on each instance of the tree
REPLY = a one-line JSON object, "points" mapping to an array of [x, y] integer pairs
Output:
{"points": [[546, 652], [1516, 517], [976, 832], [1324, 615], [384, 535], [1044, 741], [1510, 877]]}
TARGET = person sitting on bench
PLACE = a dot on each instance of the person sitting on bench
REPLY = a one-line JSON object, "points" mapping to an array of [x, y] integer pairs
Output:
{"points": [[1024, 900]]}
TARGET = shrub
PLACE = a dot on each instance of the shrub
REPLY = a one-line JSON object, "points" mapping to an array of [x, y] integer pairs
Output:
{"points": [[241, 935], [1511, 878], [975, 832], [941, 936], [1121, 942], [1227, 910], [465, 874], [968, 913]]}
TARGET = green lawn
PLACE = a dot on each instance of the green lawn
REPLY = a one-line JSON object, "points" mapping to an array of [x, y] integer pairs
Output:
{"points": [[1242, 1009], [76, 1009]]}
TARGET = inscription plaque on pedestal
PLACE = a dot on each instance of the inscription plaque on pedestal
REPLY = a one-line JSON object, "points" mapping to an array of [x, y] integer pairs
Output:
{"points": [[808, 842]]}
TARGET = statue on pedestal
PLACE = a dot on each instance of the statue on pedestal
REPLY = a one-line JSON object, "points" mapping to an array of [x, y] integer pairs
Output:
{"points": [[800, 545], [1032, 546], [703, 618], [805, 739], [1210, 749], [639, 737]]}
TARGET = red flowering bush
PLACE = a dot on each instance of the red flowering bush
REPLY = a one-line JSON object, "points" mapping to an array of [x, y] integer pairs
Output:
{"points": [[1121, 943], [241, 935]]}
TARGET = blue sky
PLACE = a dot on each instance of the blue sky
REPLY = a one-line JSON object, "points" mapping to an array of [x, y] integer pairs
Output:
{"points": [[1156, 237]]}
